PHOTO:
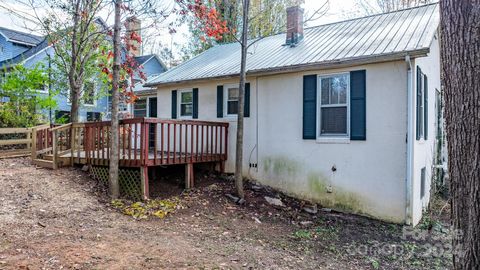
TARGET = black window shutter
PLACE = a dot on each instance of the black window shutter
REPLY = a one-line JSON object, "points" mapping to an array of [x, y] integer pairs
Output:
{"points": [[419, 99], [219, 101], [174, 104], [358, 109], [309, 107], [246, 108], [425, 108], [195, 103]]}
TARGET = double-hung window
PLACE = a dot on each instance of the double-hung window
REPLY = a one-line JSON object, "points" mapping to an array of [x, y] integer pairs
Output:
{"points": [[186, 103], [334, 105], [231, 99], [140, 108]]}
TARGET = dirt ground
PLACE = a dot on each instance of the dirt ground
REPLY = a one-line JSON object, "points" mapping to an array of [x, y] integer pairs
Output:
{"points": [[63, 220]]}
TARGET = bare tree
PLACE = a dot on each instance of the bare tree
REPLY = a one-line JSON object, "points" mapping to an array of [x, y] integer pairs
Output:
{"points": [[77, 40], [369, 7], [241, 101], [460, 57], [114, 153], [245, 45], [132, 42]]}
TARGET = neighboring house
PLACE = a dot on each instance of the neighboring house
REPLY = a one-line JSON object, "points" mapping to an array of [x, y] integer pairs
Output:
{"points": [[16, 52], [28, 50], [146, 104], [341, 114]]}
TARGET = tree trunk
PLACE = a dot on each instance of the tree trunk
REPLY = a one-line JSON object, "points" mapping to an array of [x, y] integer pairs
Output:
{"points": [[75, 104], [74, 86], [241, 104], [460, 54], [114, 155]]}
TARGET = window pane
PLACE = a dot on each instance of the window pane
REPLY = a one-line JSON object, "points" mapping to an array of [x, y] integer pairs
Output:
{"points": [[232, 107], [186, 109], [232, 93], [325, 90], [140, 104], [339, 89], [334, 89], [186, 97], [334, 120], [140, 108]]}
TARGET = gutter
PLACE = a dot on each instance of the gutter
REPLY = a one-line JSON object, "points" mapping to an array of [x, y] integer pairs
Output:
{"points": [[339, 63], [409, 179]]}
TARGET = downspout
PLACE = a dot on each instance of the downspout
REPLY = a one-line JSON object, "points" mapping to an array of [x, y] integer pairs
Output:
{"points": [[408, 205], [256, 124]]}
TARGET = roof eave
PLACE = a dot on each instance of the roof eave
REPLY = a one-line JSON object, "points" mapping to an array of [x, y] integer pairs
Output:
{"points": [[371, 59]]}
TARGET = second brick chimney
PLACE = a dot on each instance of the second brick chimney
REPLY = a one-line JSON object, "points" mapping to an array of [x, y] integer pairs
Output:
{"points": [[133, 24], [294, 25]]}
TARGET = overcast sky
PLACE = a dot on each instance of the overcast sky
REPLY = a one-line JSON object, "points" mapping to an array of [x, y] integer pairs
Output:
{"points": [[338, 10]]}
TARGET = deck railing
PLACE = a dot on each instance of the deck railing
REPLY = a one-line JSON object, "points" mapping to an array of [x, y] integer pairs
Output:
{"points": [[41, 140], [153, 141], [15, 142], [142, 142]]}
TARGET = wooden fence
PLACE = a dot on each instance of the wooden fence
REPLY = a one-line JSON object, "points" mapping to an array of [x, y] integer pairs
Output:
{"points": [[15, 142]]}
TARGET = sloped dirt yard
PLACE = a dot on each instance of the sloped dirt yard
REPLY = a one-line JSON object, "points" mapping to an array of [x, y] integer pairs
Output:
{"points": [[63, 220]]}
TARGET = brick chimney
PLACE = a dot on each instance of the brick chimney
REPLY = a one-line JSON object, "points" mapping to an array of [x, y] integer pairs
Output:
{"points": [[133, 24], [294, 25]]}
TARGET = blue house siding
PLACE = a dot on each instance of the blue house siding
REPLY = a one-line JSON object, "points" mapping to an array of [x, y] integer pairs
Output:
{"points": [[13, 53], [153, 67], [101, 104], [9, 50]]}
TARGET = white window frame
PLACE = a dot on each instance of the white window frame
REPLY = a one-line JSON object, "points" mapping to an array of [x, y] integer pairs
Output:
{"points": [[147, 98], [179, 104], [332, 138], [146, 106], [225, 99]]}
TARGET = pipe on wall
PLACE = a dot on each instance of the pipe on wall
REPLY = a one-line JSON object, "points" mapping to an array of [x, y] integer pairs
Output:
{"points": [[409, 186]]}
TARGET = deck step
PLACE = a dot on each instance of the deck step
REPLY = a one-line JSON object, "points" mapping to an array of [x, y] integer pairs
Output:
{"points": [[43, 163]]}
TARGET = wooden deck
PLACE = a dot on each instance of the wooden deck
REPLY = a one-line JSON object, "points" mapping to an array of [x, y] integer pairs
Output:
{"points": [[143, 143], [132, 159]]}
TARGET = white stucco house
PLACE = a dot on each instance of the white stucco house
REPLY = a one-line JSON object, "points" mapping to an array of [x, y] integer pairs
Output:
{"points": [[341, 114]]}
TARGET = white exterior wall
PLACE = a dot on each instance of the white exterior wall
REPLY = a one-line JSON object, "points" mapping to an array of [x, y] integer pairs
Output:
{"points": [[424, 150], [370, 175]]}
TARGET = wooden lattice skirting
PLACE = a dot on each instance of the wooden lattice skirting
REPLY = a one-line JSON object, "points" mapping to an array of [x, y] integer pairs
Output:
{"points": [[128, 178]]}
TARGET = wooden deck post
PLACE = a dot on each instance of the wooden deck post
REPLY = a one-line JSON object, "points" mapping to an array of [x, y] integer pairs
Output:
{"points": [[144, 182], [34, 143], [189, 176], [54, 149], [72, 144]]}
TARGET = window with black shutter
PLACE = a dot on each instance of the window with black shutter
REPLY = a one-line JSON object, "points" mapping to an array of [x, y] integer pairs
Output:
{"points": [[334, 105], [186, 103], [230, 99], [337, 109]]}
